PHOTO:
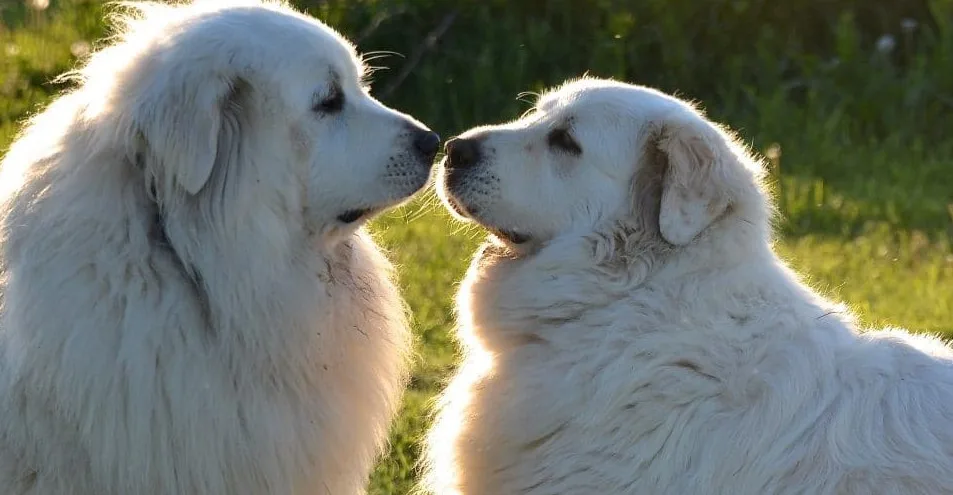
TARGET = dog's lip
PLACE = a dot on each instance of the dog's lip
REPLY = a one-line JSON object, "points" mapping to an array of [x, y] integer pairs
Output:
{"points": [[458, 207], [353, 215], [511, 236], [471, 213]]}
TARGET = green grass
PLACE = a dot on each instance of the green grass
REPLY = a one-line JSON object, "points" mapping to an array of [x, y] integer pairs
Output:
{"points": [[864, 179]]}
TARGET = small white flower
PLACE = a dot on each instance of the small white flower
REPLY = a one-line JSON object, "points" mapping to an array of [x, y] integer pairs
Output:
{"points": [[12, 49], [38, 4], [886, 44], [773, 152], [908, 25]]}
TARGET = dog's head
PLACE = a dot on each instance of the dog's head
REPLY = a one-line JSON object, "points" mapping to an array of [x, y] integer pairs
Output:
{"points": [[595, 154], [249, 103]]}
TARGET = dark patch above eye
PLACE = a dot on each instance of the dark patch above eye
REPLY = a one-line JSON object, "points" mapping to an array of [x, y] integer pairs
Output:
{"points": [[332, 103], [561, 139]]}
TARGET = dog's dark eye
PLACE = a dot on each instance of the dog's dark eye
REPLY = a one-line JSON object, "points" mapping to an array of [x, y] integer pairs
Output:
{"points": [[332, 103], [562, 140]]}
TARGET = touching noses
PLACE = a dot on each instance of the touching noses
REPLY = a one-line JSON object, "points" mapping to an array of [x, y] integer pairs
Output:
{"points": [[426, 143]]}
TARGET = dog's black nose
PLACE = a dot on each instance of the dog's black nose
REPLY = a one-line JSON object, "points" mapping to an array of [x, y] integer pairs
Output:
{"points": [[427, 143], [462, 153]]}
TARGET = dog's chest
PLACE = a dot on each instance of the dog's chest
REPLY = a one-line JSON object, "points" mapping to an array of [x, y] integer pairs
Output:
{"points": [[576, 402]]}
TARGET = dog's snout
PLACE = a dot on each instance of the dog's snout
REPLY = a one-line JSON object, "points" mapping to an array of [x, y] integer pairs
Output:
{"points": [[427, 143], [462, 153]]}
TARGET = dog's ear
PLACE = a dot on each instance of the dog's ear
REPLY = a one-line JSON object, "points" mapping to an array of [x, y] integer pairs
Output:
{"points": [[694, 189], [184, 123]]}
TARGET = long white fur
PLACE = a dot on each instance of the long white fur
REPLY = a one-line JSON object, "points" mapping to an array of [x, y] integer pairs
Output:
{"points": [[617, 353], [261, 346]]}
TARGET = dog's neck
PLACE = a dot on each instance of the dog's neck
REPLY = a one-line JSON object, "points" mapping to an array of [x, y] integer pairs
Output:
{"points": [[577, 272], [572, 274]]}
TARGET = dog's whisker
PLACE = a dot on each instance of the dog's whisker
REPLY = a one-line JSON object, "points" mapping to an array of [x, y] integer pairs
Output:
{"points": [[382, 53], [371, 69], [371, 56], [529, 96]]}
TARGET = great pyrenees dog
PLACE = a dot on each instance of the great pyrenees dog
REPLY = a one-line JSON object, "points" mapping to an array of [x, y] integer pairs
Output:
{"points": [[631, 331], [189, 302]]}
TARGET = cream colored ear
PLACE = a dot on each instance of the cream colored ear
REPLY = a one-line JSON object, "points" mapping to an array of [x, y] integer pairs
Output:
{"points": [[183, 122], [691, 194]]}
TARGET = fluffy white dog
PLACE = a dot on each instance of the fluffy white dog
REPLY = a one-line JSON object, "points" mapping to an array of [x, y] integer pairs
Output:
{"points": [[631, 331], [189, 303]]}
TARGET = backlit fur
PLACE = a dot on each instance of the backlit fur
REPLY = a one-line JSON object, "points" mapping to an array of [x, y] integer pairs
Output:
{"points": [[183, 312], [643, 338]]}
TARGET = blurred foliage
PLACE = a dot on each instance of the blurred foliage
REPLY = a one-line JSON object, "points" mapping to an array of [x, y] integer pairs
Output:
{"points": [[715, 50], [496, 49]]}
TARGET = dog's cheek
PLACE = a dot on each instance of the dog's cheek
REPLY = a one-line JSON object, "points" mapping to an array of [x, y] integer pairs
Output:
{"points": [[300, 143]]}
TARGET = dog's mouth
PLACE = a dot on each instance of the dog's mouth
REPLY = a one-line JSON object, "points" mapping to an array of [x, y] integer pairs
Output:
{"points": [[355, 215], [471, 213], [351, 216], [406, 187], [510, 236], [458, 208]]}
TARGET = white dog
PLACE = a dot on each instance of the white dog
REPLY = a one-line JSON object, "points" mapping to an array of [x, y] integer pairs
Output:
{"points": [[189, 303], [632, 332]]}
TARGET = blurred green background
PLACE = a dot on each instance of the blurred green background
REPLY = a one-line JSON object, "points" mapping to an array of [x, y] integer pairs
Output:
{"points": [[850, 100]]}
